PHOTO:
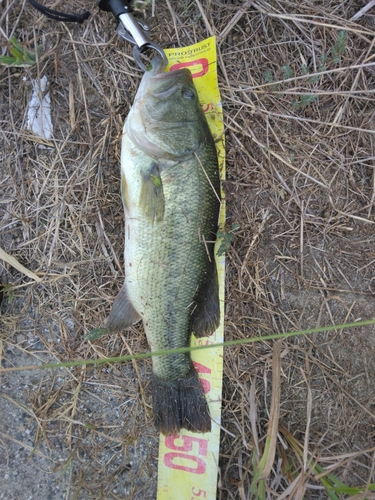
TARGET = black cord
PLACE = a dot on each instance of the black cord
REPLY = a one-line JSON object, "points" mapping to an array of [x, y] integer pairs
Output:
{"points": [[60, 16]]}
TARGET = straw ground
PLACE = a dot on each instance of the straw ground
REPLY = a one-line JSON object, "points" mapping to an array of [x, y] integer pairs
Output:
{"points": [[297, 84]]}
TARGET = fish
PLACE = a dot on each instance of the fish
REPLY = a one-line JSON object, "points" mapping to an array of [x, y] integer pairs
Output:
{"points": [[170, 186]]}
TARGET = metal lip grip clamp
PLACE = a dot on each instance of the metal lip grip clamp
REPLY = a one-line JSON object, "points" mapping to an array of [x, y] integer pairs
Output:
{"points": [[132, 30]]}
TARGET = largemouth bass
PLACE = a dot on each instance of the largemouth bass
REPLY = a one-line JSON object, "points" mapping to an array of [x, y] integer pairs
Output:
{"points": [[171, 194]]}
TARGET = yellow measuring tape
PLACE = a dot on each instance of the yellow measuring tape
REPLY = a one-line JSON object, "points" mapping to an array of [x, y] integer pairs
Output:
{"points": [[188, 462]]}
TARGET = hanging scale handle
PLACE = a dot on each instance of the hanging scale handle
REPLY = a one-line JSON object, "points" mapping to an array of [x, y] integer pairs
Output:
{"points": [[131, 29]]}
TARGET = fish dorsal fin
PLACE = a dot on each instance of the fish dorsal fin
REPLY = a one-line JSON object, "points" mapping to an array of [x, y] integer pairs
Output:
{"points": [[205, 317]]}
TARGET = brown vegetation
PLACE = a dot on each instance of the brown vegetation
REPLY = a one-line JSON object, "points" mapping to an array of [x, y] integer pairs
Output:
{"points": [[297, 81]]}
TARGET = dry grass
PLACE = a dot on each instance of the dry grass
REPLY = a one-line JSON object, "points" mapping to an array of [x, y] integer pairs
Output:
{"points": [[301, 185]]}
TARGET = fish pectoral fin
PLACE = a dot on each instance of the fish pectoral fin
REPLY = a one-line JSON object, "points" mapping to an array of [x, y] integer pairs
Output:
{"points": [[124, 191], [205, 318], [151, 200], [122, 314]]}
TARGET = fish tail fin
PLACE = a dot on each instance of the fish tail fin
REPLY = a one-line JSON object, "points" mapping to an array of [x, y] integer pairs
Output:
{"points": [[180, 404]]}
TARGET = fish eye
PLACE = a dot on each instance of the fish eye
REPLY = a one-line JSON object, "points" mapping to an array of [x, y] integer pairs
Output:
{"points": [[188, 94]]}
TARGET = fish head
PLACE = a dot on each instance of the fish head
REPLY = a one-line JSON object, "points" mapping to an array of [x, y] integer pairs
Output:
{"points": [[166, 120]]}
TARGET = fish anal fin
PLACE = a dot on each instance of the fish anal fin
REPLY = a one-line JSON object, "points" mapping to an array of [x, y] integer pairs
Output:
{"points": [[122, 314], [151, 200], [205, 318], [180, 404]]}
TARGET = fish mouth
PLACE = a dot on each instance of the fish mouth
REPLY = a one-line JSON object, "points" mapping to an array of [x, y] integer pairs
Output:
{"points": [[167, 82], [170, 75], [157, 82], [165, 93], [157, 70], [157, 66]]}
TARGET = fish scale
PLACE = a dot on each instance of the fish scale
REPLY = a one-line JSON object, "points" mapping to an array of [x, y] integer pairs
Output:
{"points": [[166, 274]]}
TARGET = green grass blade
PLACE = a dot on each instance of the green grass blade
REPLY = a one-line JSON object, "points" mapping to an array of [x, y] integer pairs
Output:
{"points": [[144, 355]]}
